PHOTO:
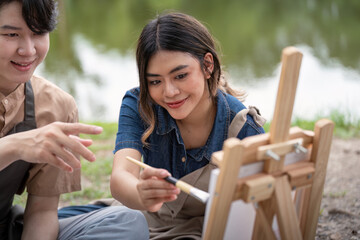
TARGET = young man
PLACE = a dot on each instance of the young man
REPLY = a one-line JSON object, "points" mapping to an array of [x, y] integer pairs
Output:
{"points": [[38, 122]]}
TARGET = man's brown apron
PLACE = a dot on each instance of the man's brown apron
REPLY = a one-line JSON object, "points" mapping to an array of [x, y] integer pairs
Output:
{"points": [[13, 177]]}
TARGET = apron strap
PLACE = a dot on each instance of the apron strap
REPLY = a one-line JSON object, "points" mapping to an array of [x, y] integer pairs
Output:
{"points": [[29, 103], [29, 122], [13, 177]]}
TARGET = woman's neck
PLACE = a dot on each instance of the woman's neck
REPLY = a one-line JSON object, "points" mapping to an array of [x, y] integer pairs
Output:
{"points": [[196, 128]]}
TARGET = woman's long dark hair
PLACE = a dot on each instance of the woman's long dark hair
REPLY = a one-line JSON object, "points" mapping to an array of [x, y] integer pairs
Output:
{"points": [[39, 15], [175, 32]]}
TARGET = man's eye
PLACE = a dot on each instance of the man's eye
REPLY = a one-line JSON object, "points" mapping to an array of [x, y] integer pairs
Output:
{"points": [[181, 76], [11, 34]]}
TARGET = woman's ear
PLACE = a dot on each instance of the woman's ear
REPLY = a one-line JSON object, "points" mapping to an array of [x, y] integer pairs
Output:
{"points": [[209, 65]]}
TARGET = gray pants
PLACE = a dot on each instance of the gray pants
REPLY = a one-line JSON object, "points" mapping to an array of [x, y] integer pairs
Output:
{"points": [[118, 222]]}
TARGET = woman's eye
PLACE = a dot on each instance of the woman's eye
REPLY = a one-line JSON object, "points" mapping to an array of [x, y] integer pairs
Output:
{"points": [[181, 76], [154, 82]]}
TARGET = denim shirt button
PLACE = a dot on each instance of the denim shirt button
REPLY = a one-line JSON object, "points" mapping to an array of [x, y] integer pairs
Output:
{"points": [[183, 159]]}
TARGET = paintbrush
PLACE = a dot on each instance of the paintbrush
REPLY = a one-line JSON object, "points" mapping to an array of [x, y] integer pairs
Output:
{"points": [[185, 187]]}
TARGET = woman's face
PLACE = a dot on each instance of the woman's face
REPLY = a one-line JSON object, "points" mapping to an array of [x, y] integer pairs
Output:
{"points": [[177, 83], [21, 50]]}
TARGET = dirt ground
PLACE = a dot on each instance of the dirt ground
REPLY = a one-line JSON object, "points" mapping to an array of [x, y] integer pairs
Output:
{"points": [[340, 206]]}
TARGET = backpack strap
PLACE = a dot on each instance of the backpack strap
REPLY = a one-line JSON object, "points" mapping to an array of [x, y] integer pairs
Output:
{"points": [[240, 118]]}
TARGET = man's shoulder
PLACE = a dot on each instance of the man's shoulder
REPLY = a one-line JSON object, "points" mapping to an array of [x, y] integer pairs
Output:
{"points": [[52, 103], [44, 89]]}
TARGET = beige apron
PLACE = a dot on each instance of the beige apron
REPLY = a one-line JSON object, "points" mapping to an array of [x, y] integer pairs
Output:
{"points": [[184, 217]]}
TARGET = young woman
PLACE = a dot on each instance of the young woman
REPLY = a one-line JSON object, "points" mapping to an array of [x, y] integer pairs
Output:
{"points": [[174, 121], [37, 121]]}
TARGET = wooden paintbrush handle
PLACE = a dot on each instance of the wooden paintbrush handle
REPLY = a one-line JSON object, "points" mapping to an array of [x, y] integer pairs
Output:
{"points": [[184, 186]]}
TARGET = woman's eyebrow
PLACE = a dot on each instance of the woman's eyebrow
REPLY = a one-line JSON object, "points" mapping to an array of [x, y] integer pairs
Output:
{"points": [[178, 68], [9, 27], [172, 71], [152, 75]]}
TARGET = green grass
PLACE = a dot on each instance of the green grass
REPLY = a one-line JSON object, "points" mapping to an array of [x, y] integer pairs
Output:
{"points": [[340, 194], [96, 175], [109, 131], [346, 126]]}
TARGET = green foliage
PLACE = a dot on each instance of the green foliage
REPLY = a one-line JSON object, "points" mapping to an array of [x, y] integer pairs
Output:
{"points": [[251, 33], [95, 175], [84, 196], [346, 125], [20, 199], [267, 127], [109, 131], [95, 181], [304, 124], [98, 170], [339, 194]]}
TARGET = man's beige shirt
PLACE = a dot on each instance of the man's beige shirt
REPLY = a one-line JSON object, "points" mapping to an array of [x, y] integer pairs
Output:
{"points": [[51, 104]]}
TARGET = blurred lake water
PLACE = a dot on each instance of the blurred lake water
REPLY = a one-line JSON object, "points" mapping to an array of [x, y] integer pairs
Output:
{"points": [[92, 51]]}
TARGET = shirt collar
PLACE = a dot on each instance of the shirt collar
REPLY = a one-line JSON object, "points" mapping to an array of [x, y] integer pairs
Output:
{"points": [[13, 99]]}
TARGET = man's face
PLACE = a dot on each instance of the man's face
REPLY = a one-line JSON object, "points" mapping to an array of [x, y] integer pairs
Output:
{"points": [[21, 50]]}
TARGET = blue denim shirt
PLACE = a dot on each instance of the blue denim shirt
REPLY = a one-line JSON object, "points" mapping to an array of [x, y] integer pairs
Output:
{"points": [[166, 147]]}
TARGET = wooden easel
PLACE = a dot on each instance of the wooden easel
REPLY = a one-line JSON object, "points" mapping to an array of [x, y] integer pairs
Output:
{"points": [[270, 189]]}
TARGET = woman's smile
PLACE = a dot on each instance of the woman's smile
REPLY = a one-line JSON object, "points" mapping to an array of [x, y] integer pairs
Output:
{"points": [[176, 104]]}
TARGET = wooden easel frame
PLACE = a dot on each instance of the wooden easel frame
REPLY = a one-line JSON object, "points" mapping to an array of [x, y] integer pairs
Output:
{"points": [[270, 190]]}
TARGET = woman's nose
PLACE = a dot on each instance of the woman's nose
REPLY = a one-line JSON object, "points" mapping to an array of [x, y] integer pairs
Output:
{"points": [[171, 89]]}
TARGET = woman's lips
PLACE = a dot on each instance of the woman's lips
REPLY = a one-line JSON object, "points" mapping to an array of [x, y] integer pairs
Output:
{"points": [[176, 104]]}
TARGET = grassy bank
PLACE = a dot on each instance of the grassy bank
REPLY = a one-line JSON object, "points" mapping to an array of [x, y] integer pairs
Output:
{"points": [[95, 176], [346, 126]]}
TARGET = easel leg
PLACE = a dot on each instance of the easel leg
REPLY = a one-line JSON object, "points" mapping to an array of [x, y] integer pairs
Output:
{"points": [[285, 211], [262, 227]]}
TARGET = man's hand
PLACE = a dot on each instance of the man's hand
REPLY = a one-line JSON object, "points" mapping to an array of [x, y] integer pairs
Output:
{"points": [[55, 144]]}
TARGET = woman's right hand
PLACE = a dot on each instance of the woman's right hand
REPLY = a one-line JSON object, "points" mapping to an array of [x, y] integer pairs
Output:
{"points": [[154, 190]]}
